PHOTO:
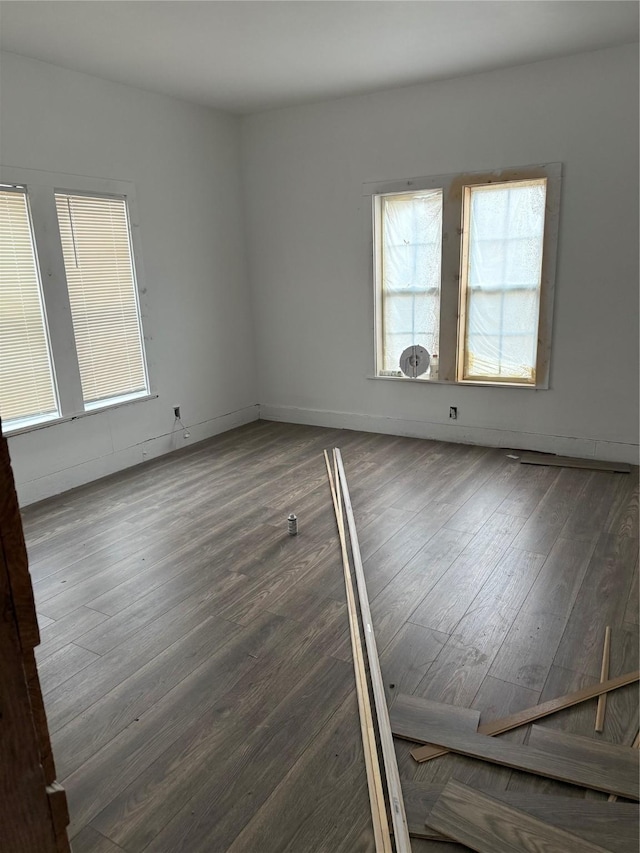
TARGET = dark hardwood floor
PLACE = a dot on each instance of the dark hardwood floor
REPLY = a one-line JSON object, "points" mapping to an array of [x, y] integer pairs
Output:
{"points": [[195, 659]]}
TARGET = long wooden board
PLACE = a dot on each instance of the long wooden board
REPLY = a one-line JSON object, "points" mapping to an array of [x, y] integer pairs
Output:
{"points": [[381, 834], [618, 777], [567, 747], [530, 715], [488, 825], [571, 462], [394, 789], [611, 825]]}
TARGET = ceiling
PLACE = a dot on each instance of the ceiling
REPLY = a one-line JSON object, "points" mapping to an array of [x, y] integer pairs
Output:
{"points": [[246, 56]]}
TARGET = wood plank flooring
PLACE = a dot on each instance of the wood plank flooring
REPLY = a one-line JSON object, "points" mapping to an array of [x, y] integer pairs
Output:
{"points": [[196, 660]]}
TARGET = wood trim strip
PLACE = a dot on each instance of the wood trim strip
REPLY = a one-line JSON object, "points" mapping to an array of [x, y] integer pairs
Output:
{"points": [[489, 826], [376, 797], [604, 674], [522, 718], [394, 789], [571, 462], [617, 776]]}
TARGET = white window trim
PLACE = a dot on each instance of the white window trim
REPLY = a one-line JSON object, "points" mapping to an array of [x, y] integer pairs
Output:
{"points": [[451, 294], [41, 187]]}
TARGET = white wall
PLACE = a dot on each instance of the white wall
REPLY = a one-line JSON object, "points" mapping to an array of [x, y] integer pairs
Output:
{"points": [[184, 161], [304, 168]]}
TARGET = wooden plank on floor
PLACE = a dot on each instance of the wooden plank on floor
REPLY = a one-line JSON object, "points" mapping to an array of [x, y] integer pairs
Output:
{"points": [[573, 462], [494, 700], [470, 573], [545, 524], [110, 770], [410, 712], [199, 810], [620, 776], [59, 634], [92, 841], [458, 672], [63, 664], [558, 583], [601, 602], [316, 811], [525, 496], [568, 746], [394, 605], [89, 731], [624, 514], [615, 829], [488, 825], [527, 654], [589, 515], [551, 706], [79, 692], [408, 657]]}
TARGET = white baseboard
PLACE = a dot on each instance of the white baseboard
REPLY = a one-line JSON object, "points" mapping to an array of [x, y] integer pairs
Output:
{"points": [[585, 448], [93, 469]]}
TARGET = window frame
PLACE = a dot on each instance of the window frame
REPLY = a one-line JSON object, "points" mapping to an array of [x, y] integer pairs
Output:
{"points": [[41, 188], [452, 287]]}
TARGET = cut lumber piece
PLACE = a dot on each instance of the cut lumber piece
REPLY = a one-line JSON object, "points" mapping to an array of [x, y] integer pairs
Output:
{"points": [[571, 462], [394, 789], [604, 674], [488, 825], [611, 825], [414, 710], [621, 778], [530, 715], [381, 833]]}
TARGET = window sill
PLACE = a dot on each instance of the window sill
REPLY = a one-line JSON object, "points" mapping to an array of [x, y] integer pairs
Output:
{"points": [[9, 433], [461, 384]]}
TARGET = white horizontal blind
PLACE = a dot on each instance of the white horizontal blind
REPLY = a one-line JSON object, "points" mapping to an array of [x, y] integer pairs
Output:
{"points": [[411, 254], [27, 389], [102, 293]]}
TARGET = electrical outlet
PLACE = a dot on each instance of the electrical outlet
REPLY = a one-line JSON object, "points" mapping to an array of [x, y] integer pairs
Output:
{"points": [[453, 412], [176, 412]]}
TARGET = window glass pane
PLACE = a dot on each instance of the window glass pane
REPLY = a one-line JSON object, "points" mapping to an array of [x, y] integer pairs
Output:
{"points": [[411, 227], [102, 293], [505, 230], [27, 389]]}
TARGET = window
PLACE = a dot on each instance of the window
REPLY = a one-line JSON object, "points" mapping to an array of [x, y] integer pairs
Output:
{"points": [[28, 390], [71, 339], [411, 227], [103, 297], [464, 267]]}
